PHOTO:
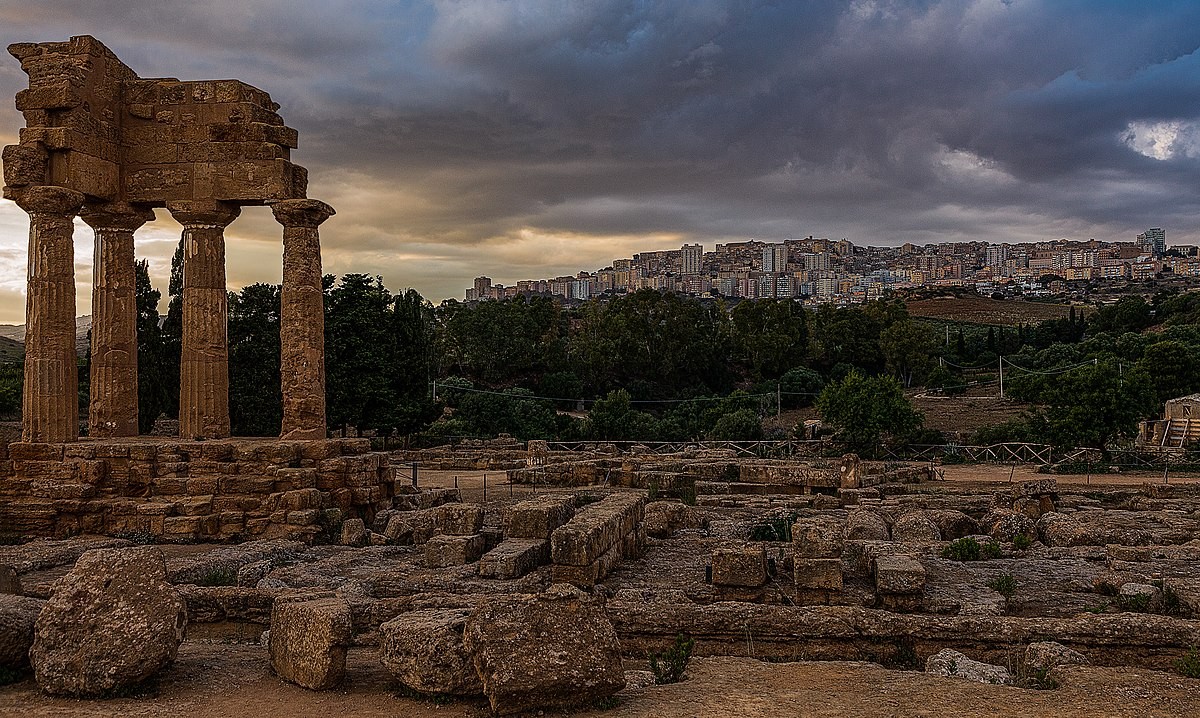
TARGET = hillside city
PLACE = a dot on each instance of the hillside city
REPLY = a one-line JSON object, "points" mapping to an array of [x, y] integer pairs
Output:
{"points": [[838, 271]]}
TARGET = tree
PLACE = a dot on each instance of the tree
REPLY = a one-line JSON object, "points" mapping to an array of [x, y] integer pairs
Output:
{"points": [[1092, 405], [358, 356], [12, 378], [800, 387], [158, 389], [255, 395], [771, 335], [741, 425], [512, 412], [613, 418], [172, 336], [865, 410], [908, 348]]}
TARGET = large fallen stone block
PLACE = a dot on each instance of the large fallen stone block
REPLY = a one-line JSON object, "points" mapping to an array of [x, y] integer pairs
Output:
{"points": [[554, 650], [744, 566], [444, 551], [953, 664], [308, 640], [589, 575], [596, 529], [818, 537], [915, 527], [864, 525], [818, 574], [17, 617], [1044, 656], [423, 650], [460, 519], [664, 518], [899, 574], [537, 518], [111, 623], [514, 557]]}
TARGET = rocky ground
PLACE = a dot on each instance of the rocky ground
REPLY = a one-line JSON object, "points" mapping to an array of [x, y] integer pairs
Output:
{"points": [[1109, 569], [214, 679]]}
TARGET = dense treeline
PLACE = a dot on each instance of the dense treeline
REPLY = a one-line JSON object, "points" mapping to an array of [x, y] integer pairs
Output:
{"points": [[653, 365]]}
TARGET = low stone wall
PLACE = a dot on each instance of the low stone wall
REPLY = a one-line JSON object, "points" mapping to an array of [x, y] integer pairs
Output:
{"points": [[589, 546], [223, 490]]}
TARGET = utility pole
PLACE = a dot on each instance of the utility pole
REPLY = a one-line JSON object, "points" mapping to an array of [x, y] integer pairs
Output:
{"points": [[778, 400], [1001, 376], [435, 392]]}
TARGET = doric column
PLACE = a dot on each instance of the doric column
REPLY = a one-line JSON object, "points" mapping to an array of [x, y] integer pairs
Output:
{"points": [[50, 406], [302, 318], [113, 405], [204, 357]]}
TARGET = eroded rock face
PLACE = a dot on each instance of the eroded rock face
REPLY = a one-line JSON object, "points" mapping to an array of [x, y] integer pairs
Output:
{"points": [[1057, 529], [554, 650], [953, 664], [17, 617], [1006, 525], [424, 651], [111, 623]]}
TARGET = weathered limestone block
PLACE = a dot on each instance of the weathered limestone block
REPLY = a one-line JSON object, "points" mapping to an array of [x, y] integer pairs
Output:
{"points": [[554, 650], [354, 533], [915, 527], [308, 641], [514, 557], [18, 614], [899, 574], [460, 519], [849, 472], [424, 651], [537, 518], [818, 574], [1043, 656], [1055, 529], [111, 623], [953, 664], [1035, 488], [744, 566], [589, 575], [1006, 525], [596, 529], [818, 537], [664, 518], [864, 525], [445, 550]]}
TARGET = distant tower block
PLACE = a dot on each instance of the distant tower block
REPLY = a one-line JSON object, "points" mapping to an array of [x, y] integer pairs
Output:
{"points": [[105, 144]]}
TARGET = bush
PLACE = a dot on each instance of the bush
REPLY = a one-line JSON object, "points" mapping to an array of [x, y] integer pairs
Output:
{"points": [[1189, 665], [669, 666], [1022, 542], [968, 549], [742, 425], [1005, 585]]}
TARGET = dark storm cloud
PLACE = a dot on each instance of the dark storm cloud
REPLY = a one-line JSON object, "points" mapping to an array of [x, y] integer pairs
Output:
{"points": [[443, 130]]}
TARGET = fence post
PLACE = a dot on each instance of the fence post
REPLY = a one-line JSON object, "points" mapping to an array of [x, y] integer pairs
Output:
{"points": [[414, 473]]}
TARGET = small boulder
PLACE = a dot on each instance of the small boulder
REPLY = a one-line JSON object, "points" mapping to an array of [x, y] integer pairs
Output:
{"points": [[111, 623], [863, 525], [953, 524], [1056, 529], [423, 650], [952, 664], [309, 638], [1006, 525], [554, 650], [1043, 656], [915, 527], [17, 617], [354, 533]]}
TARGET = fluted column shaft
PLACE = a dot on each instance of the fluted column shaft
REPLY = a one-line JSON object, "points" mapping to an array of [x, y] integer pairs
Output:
{"points": [[204, 356], [302, 319], [113, 389], [50, 404]]}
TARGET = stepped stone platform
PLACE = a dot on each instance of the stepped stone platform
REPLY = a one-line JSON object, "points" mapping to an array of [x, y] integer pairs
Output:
{"points": [[218, 490]]}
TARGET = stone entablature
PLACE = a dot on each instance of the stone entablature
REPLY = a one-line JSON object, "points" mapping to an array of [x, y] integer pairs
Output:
{"points": [[106, 144]]}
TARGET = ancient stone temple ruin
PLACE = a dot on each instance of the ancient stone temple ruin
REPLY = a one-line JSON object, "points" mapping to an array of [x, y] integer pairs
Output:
{"points": [[107, 145]]}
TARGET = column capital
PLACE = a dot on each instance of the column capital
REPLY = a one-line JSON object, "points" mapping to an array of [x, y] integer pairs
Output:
{"points": [[203, 213], [51, 200], [116, 215], [301, 212]]}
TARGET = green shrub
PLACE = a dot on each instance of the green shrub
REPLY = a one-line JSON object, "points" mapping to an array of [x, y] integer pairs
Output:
{"points": [[1139, 603], [670, 665], [1189, 665], [1022, 541], [968, 549], [1040, 680], [219, 576], [1005, 585]]}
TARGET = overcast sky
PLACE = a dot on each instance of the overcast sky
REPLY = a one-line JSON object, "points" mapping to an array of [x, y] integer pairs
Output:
{"points": [[530, 139]]}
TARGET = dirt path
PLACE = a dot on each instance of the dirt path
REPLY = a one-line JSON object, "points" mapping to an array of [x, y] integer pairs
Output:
{"points": [[233, 680], [991, 473]]}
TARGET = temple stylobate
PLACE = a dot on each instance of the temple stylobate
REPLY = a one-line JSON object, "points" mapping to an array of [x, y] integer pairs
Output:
{"points": [[104, 144]]}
